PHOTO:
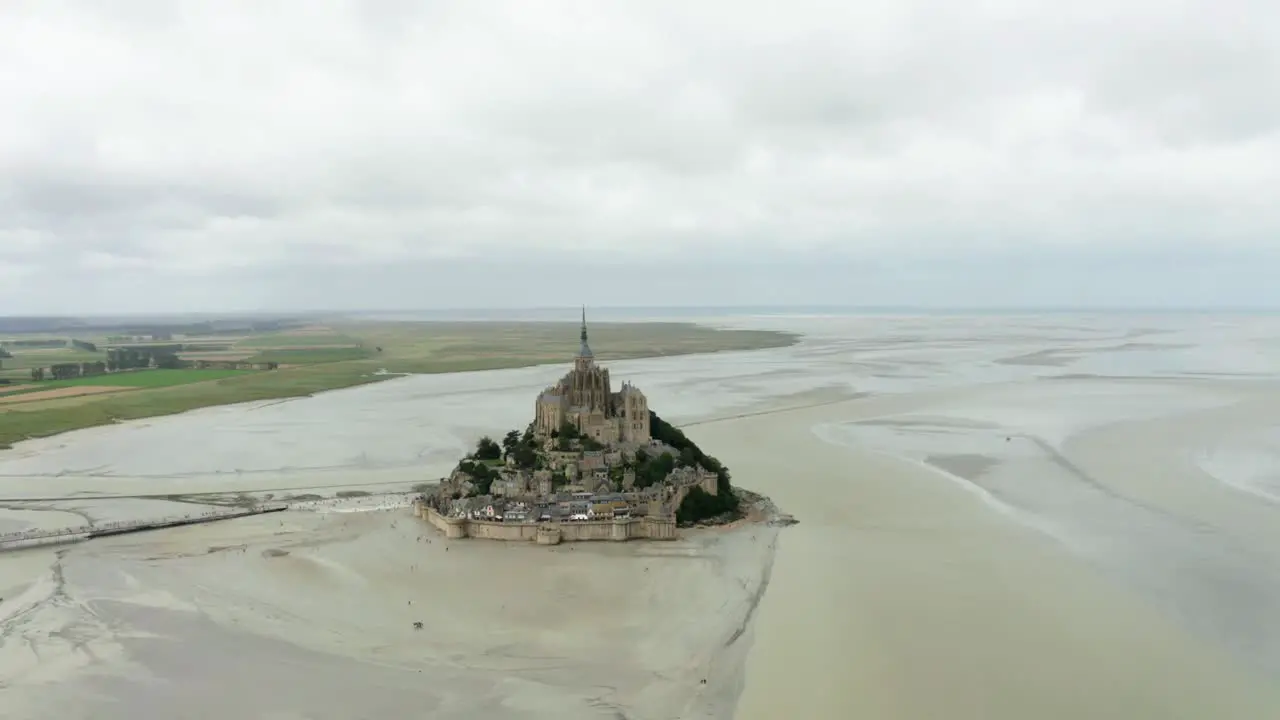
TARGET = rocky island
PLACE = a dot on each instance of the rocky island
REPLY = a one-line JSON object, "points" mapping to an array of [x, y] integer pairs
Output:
{"points": [[594, 464]]}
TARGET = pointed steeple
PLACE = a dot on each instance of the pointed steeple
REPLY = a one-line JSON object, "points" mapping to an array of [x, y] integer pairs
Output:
{"points": [[585, 350]]}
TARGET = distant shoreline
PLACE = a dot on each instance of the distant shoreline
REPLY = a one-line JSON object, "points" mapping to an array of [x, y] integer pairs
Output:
{"points": [[381, 351], [608, 314]]}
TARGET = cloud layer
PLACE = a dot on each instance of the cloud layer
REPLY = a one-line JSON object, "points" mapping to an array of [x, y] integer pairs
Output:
{"points": [[194, 145]]}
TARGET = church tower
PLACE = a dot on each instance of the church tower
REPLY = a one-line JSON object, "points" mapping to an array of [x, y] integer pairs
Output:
{"points": [[584, 398], [588, 383], [585, 360]]}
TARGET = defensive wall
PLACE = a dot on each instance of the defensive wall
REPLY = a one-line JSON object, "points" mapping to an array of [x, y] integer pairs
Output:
{"points": [[549, 533]]}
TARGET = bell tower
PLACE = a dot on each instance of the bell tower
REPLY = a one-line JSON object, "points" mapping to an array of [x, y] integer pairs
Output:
{"points": [[585, 360]]}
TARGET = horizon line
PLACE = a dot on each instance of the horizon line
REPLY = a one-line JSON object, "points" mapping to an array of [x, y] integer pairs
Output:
{"points": [[778, 308]]}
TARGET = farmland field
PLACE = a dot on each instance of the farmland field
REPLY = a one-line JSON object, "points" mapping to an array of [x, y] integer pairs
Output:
{"points": [[24, 359], [298, 356], [353, 353], [311, 338], [59, 393], [219, 355], [145, 378], [128, 379]]}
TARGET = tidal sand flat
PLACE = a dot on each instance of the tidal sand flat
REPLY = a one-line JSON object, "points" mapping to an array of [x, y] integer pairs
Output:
{"points": [[978, 538], [312, 616], [1042, 546]]}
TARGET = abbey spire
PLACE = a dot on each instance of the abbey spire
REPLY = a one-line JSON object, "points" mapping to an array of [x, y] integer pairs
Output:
{"points": [[585, 350]]}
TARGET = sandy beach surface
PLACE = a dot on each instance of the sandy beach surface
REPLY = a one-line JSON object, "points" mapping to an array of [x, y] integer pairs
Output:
{"points": [[1000, 517]]}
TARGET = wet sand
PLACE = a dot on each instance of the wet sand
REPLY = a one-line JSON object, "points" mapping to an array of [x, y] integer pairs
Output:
{"points": [[509, 630], [1094, 537], [921, 598]]}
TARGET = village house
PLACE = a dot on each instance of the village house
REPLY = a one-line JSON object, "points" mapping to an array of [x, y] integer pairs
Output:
{"points": [[518, 513]]}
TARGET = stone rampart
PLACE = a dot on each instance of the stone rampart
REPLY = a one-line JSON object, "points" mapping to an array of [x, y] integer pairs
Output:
{"points": [[621, 529], [451, 527], [496, 530]]}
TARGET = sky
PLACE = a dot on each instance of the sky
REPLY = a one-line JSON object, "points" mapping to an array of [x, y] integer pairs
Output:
{"points": [[387, 154]]}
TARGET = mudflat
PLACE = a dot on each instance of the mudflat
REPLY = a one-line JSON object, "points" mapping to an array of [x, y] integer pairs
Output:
{"points": [[980, 537]]}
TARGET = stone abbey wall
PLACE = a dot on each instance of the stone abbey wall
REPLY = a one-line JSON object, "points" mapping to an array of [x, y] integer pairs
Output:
{"points": [[648, 528]]}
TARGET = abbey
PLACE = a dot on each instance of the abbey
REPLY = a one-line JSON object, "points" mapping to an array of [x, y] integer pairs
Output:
{"points": [[584, 398], [593, 464]]}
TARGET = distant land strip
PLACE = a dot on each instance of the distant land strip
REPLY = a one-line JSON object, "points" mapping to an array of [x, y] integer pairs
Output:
{"points": [[167, 371]]}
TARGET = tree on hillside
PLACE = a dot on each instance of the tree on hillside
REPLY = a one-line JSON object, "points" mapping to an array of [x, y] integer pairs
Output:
{"points": [[482, 476], [653, 470], [509, 442], [725, 499], [526, 457], [688, 458], [568, 431], [564, 437], [487, 449], [700, 505]]}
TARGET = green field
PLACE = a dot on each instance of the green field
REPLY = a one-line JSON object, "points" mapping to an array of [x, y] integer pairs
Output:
{"points": [[294, 339], [406, 347], [287, 356], [454, 347], [41, 419], [140, 379], [24, 360]]}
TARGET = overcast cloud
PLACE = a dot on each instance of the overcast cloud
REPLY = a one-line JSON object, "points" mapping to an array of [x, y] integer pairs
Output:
{"points": [[230, 155]]}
